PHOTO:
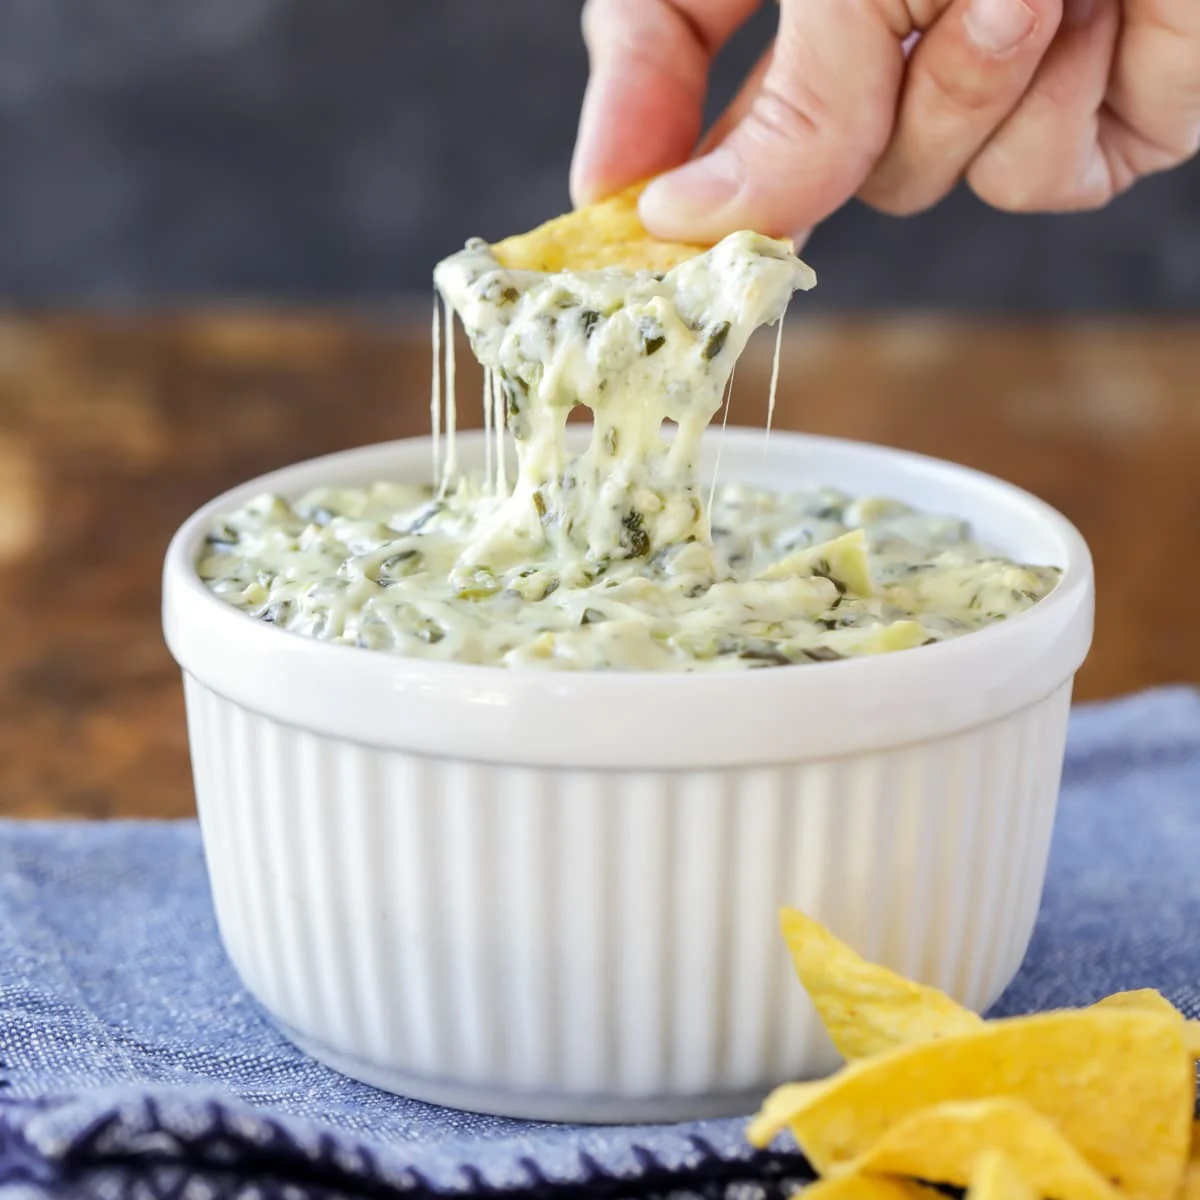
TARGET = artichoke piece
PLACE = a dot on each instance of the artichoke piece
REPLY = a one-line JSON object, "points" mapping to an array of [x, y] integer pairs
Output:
{"points": [[843, 561]]}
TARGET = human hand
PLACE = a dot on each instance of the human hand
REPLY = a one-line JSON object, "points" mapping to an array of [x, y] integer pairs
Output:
{"points": [[1041, 105]]}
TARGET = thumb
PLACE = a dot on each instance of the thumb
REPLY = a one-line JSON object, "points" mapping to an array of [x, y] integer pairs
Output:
{"points": [[821, 117], [645, 94]]}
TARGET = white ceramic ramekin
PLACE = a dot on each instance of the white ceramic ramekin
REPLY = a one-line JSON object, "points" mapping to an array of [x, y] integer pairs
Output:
{"points": [[555, 895]]}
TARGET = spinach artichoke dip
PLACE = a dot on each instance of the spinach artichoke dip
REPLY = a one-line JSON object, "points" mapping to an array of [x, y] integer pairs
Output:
{"points": [[617, 556]]}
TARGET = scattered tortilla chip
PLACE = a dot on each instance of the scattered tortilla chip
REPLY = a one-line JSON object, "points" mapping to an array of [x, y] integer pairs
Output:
{"points": [[1117, 1083], [1191, 1037], [996, 1178], [869, 1187], [1140, 999], [606, 234], [1189, 1189], [945, 1143], [1152, 1000], [777, 1109], [865, 1008]]}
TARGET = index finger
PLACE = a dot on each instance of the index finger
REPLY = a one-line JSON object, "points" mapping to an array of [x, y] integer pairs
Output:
{"points": [[649, 63]]}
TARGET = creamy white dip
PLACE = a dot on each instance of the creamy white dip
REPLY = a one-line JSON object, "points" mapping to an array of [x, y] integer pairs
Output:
{"points": [[609, 558]]}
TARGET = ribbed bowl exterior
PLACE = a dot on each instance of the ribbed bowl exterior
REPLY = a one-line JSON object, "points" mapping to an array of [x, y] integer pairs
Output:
{"points": [[604, 945]]}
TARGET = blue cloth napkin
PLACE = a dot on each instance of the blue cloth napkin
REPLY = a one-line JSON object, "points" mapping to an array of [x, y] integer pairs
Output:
{"points": [[132, 1063]]}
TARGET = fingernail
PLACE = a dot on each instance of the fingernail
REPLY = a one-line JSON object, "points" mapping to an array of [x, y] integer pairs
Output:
{"points": [[684, 202], [998, 26]]}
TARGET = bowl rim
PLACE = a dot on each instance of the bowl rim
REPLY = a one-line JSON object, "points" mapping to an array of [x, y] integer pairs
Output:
{"points": [[638, 719]]}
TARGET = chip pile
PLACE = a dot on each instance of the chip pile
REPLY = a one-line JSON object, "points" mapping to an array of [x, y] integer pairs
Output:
{"points": [[1091, 1103]]}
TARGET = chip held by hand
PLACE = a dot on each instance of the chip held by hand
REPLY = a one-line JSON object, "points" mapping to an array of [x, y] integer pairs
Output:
{"points": [[608, 233]]}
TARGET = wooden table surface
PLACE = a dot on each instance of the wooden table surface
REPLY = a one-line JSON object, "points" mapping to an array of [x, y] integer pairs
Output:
{"points": [[113, 430]]}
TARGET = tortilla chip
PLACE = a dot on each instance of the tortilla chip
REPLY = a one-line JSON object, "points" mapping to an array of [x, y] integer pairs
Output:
{"points": [[996, 1178], [1148, 999], [865, 1008], [1117, 1083], [606, 234], [869, 1187], [1191, 1038], [945, 1143], [1140, 999], [1189, 1189]]}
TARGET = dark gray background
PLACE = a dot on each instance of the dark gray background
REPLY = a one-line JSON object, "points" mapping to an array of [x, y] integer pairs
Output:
{"points": [[328, 151]]}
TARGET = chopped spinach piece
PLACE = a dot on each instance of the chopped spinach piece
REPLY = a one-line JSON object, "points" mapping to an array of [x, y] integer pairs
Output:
{"points": [[822, 570], [400, 564], [822, 654], [277, 613], [423, 517], [222, 535], [766, 654], [635, 539], [481, 584], [716, 340], [653, 337]]}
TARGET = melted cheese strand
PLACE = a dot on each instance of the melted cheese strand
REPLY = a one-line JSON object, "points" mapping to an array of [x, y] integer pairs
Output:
{"points": [[501, 425], [435, 394], [712, 491], [774, 382], [451, 468], [488, 409]]}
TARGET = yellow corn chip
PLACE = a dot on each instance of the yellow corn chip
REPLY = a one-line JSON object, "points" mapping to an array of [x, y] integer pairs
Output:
{"points": [[996, 1178], [1116, 1082], [1190, 1188], [606, 234], [1150, 999], [1191, 1038], [1143, 999], [778, 1108], [869, 1187], [944, 1143], [866, 1009]]}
